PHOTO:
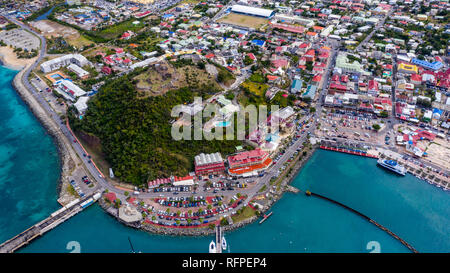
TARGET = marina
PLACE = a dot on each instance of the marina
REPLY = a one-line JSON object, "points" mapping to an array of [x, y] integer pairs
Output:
{"points": [[295, 224]]}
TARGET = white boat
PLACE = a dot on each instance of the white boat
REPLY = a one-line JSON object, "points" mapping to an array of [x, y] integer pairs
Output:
{"points": [[392, 165], [212, 247], [224, 243]]}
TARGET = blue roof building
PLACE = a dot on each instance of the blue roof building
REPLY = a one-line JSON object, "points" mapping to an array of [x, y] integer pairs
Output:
{"points": [[310, 91], [432, 66], [258, 42], [296, 86]]}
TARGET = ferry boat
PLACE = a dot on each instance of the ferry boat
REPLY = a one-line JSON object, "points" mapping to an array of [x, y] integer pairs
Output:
{"points": [[212, 247], [392, 165]]}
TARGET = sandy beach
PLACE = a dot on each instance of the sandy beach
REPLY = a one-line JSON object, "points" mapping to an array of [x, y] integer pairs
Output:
{"points": [[10, 60]]}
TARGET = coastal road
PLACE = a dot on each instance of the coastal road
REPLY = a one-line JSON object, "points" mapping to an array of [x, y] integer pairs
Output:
{"points": [[97, 176], [55, 117]]}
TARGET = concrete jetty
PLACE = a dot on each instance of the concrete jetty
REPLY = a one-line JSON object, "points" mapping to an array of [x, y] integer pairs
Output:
{"points": [[292, 189], [56, 218]]}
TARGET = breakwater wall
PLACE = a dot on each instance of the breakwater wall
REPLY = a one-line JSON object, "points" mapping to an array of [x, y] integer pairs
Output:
{"points": [[368, 219], [66, 161]]}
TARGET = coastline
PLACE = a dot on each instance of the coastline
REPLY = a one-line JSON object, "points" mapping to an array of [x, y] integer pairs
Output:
{"points": [[9, 59], [66, 162], [206, 231]]}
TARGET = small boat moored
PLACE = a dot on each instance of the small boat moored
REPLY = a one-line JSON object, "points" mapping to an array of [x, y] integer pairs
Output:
{"points": [[224, 243], [212, 247]]}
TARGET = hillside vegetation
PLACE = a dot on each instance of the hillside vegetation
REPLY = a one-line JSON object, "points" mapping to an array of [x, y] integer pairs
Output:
{"points": [[135, 133]]}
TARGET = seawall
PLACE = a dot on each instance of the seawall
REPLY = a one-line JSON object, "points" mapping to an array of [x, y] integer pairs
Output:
{"points": [[65, 153], [206, 231]]}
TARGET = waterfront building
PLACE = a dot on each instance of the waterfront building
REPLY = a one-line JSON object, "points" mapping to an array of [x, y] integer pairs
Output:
{"points": [[173, 180], [206, 164], [248, 163]]}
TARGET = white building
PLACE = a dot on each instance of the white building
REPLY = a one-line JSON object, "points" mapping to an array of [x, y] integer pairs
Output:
{"points": [[64, 61], [80, 72], [326, 31], [81, 105], [266, 13], [69, 90], [144, 63], [295, 19]]}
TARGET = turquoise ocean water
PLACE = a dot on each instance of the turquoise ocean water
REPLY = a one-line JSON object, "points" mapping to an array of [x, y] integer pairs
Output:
{"points": [[29, 164], [413, 209]]}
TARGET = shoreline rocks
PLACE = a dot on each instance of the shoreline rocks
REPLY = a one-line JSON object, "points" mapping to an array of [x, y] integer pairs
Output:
{"points": [[66, 161], [206, 231]]}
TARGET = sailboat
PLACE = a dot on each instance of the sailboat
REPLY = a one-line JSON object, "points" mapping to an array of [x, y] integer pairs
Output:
{"points": [[212, 247], [224, 243]]}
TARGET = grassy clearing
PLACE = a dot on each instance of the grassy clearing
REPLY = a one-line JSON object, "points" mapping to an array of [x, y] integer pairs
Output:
{"points": [[117, 30], [243, 20], [72, 191], [155, 83], [79, 41], [246, 213], [256, 88]]}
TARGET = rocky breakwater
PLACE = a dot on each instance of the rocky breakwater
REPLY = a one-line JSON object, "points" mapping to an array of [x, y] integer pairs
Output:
{"points": [[69, 159]]}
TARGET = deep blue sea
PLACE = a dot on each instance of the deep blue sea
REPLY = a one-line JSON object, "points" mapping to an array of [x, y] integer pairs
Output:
{"points": [[413, 209]]}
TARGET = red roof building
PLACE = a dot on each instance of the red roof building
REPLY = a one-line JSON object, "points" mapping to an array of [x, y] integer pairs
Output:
{"points": [[317, 78], [337, 88], [310, 55], [247, 158], [209, 55], [247, 162], [106, 70]]}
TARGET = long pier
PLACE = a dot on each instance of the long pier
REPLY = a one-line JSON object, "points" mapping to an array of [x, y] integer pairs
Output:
{"points": [[348, 151], [368, 219], [218, 239], [48, 224]]}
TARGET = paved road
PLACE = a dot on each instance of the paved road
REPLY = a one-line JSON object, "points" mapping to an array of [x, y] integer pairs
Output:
{"points": [[377, 27], [79, 150]]}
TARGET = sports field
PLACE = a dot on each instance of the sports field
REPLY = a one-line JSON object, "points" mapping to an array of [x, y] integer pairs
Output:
{"points": [[244, 20]]}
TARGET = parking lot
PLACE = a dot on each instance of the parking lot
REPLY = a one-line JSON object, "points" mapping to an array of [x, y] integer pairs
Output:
{"points": [[20, 38], [353, 125], [46, 92]]}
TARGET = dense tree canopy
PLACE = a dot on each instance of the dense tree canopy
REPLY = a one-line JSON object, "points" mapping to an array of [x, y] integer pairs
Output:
{"points": [[135, 132]]}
